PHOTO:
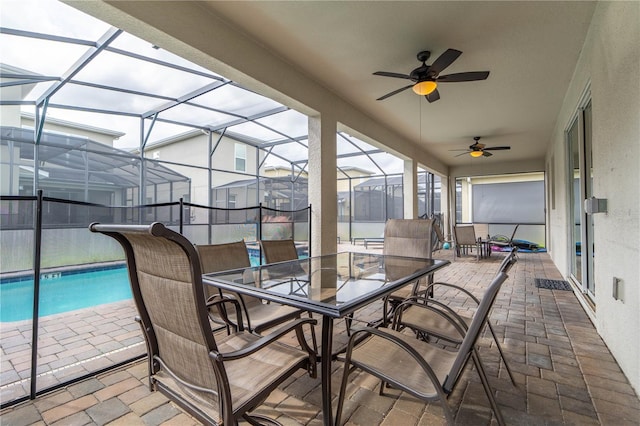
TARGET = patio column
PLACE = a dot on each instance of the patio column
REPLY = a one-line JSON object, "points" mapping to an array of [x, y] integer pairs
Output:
{"points": [[410, 189], [323, 192], [445, 204], [451, 190]]}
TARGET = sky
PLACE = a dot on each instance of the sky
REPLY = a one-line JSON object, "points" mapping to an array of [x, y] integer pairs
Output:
{"points": [[54, 58]]}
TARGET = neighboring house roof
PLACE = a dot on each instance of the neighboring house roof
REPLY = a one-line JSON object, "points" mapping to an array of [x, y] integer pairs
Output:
{"points": [[356, 169], [380, 181], [194, 133], [72, 125], [390, 180], [239, 183], [63, 158], [283, 180], [25, 88]]}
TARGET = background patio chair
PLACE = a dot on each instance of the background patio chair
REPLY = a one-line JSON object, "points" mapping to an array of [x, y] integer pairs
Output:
{"points": [[421, 369], [275, 251], [278, 250], [410, 238], [258, 316], [465, 240], [502, 241], [218, 379], [435, 319], [438, 236]]}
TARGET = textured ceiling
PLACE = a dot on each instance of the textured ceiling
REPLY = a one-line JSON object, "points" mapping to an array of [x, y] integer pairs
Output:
{"points": [[530, 48]]}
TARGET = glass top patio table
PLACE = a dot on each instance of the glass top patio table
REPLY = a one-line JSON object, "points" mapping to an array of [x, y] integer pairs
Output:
{"points": [[333, 285]]}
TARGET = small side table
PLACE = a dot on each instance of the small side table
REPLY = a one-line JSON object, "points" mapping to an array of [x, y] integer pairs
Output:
{"points": [[485, 248]]}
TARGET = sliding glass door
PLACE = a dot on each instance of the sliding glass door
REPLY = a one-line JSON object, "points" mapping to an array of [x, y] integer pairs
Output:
{"points": [[580, 188]]}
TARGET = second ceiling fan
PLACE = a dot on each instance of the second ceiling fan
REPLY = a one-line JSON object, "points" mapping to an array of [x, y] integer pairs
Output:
{"points": [[478, 149], [425, 78]]}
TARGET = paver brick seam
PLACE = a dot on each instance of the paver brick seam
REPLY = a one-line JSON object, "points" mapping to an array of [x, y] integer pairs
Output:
{"points": [[79, 418], [116, 389], [20, 416], [181, 419], [47, 402], [85, 387], [624, 412], [129, 419], [67, 409], [543, 406], [107, 411], [577, 406], [148, 403], [611, 395], [161, 414], [110, 378]]}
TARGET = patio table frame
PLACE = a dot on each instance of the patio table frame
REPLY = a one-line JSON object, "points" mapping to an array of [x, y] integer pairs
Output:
{"points": [[369, 279]]}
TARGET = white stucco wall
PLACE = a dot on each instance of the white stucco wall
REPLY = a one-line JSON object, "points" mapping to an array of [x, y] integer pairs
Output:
{"points": [[194, 151], [77, 129], [610, 66]]}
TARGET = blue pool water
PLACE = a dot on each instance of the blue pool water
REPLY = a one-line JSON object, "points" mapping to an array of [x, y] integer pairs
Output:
{"points": [[254, 259], [64, 292], [68, 291]]}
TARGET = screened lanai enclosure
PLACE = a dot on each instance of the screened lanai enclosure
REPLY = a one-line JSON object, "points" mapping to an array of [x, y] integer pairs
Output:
{"points": [[99, 125], [362, 209], [76, 168], [127, 97]]}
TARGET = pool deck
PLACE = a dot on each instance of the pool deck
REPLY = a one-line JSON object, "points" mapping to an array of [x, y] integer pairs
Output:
{"points": [[564, 372], [70, 345]]}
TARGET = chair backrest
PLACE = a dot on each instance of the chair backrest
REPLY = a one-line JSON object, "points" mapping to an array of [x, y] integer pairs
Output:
{"points": [[224, 257], [508, 261], [513, 234], [481, 229], [166, 282], [278, 250], [474, 330], [439, 236], [465, 234], [408, 237]]}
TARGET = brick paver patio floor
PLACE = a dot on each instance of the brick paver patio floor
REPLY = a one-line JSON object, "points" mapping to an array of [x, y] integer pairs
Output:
{"points": [[565, 374], [70, 345]]}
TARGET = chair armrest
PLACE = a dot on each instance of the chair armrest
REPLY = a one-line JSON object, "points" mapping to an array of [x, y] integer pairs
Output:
{"points": [[434, 306], [457, 287], [265, 340], [219, 302]]}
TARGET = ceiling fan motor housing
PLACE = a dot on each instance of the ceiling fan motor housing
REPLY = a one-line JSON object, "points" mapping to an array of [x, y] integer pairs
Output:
{"points": [[424, 55], [426, 77], [420, 74]]}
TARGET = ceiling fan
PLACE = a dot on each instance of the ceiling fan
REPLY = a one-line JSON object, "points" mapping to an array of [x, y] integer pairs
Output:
{"points": [[478, 149], [426, 77]]}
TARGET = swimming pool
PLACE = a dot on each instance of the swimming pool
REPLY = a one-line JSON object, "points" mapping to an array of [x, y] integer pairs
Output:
{"points": [[68, 291], [64, 291]]}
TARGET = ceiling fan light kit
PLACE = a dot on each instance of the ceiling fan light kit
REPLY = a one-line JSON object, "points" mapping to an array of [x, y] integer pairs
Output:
{"points": [[476, 154], [424, 87]]}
